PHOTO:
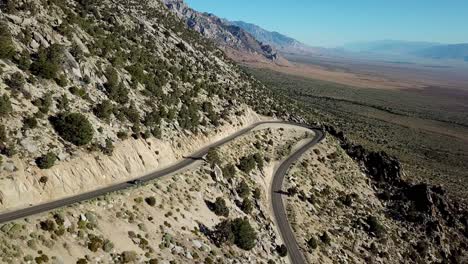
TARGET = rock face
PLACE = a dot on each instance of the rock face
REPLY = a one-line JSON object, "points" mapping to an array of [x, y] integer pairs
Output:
{"points": [[416, 206], [281, 42], [223, 32]]}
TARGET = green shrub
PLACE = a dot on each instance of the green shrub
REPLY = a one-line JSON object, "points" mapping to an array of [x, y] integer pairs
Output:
{"points": [[244, 235], [238, 231], [62, 80], [81, 261], [282, 251], [312, 243], [44, 103], [47, 225], [259, 160], [16, 81], [3, 134], [257, 193], [78, 92], [48, 62], [122, 135], [23, 60], [42, 259], [247, 206], [156, 132], [132, 114], [46, 161], [325, 238], [108, 148], [151, 201], [115, 90], [247, 164], [229, 171], [73, 127], [5, 105], [375, 226], [220, 208], [104, 110], [10, 150], [243, 189], [7, 49], [95, 243], [213, 157], [63, 103]]}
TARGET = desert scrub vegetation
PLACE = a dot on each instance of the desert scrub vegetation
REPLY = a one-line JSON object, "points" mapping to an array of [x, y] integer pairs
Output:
{"points": [[392, 123], [73, 127], [7, 49], [237, 231], [47, 62], [219, 207], [46, 161]]}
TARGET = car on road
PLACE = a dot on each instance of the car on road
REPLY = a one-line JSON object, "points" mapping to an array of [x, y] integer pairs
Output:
{"points": [[135, 182]]}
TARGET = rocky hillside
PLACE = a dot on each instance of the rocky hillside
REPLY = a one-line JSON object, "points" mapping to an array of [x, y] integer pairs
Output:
{"points": [[169, 220], [224, 33], [80, 79]]}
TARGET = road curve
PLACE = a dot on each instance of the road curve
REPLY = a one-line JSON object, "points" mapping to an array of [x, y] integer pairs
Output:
{"points": [[277, 201], [294, 252]]}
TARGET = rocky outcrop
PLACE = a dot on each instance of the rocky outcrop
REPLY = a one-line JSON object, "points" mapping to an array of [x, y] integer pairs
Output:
{"points": [[417, 206], [222, 32]]}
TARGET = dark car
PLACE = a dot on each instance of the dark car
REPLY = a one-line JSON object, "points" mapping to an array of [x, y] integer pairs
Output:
{"points": [[135, 182]]}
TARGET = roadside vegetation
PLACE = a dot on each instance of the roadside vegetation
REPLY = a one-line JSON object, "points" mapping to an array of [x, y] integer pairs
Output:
{"points": [[427, 133]]}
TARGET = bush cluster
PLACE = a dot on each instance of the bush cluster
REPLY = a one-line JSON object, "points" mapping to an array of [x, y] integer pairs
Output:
{"points": [[243, 189], [73, 127], [220, 208], [248, 163], [229, 171], [46, 161], [7, 50], [5, 105], [247, 206], [282, 250], [213, 157], [237, 231], [151, 201], [48, 61]]}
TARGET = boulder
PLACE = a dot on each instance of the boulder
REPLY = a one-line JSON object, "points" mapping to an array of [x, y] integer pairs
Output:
{"points": [[9, 166], [29, 145]]}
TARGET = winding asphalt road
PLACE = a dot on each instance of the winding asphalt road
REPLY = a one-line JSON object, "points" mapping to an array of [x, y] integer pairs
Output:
{"points": [[294, 252], [277, 199]]}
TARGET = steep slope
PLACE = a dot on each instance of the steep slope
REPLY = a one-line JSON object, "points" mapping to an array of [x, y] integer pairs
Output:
{"points": [[183, 218], [91, 93], [222, 32], [281, 42]]}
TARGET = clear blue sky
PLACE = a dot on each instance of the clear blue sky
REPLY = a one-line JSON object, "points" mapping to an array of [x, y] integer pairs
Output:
{"points": [[334, 22]]}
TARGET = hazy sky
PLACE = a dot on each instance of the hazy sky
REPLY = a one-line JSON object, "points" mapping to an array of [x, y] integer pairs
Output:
{"points": [[334, 22]]}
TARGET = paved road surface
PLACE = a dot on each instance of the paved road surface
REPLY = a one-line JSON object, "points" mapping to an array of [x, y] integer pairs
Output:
{"points": [[294, 252], [277, 201]]}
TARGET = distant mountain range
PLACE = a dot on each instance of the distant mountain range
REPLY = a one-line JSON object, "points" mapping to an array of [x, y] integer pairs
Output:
{"points": [[454, 51], [245, 41], [420, 49], [281, 42]]}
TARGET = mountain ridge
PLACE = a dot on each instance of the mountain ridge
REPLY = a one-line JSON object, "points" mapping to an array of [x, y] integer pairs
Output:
{"points": [[280, 41], [225, 34]]}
